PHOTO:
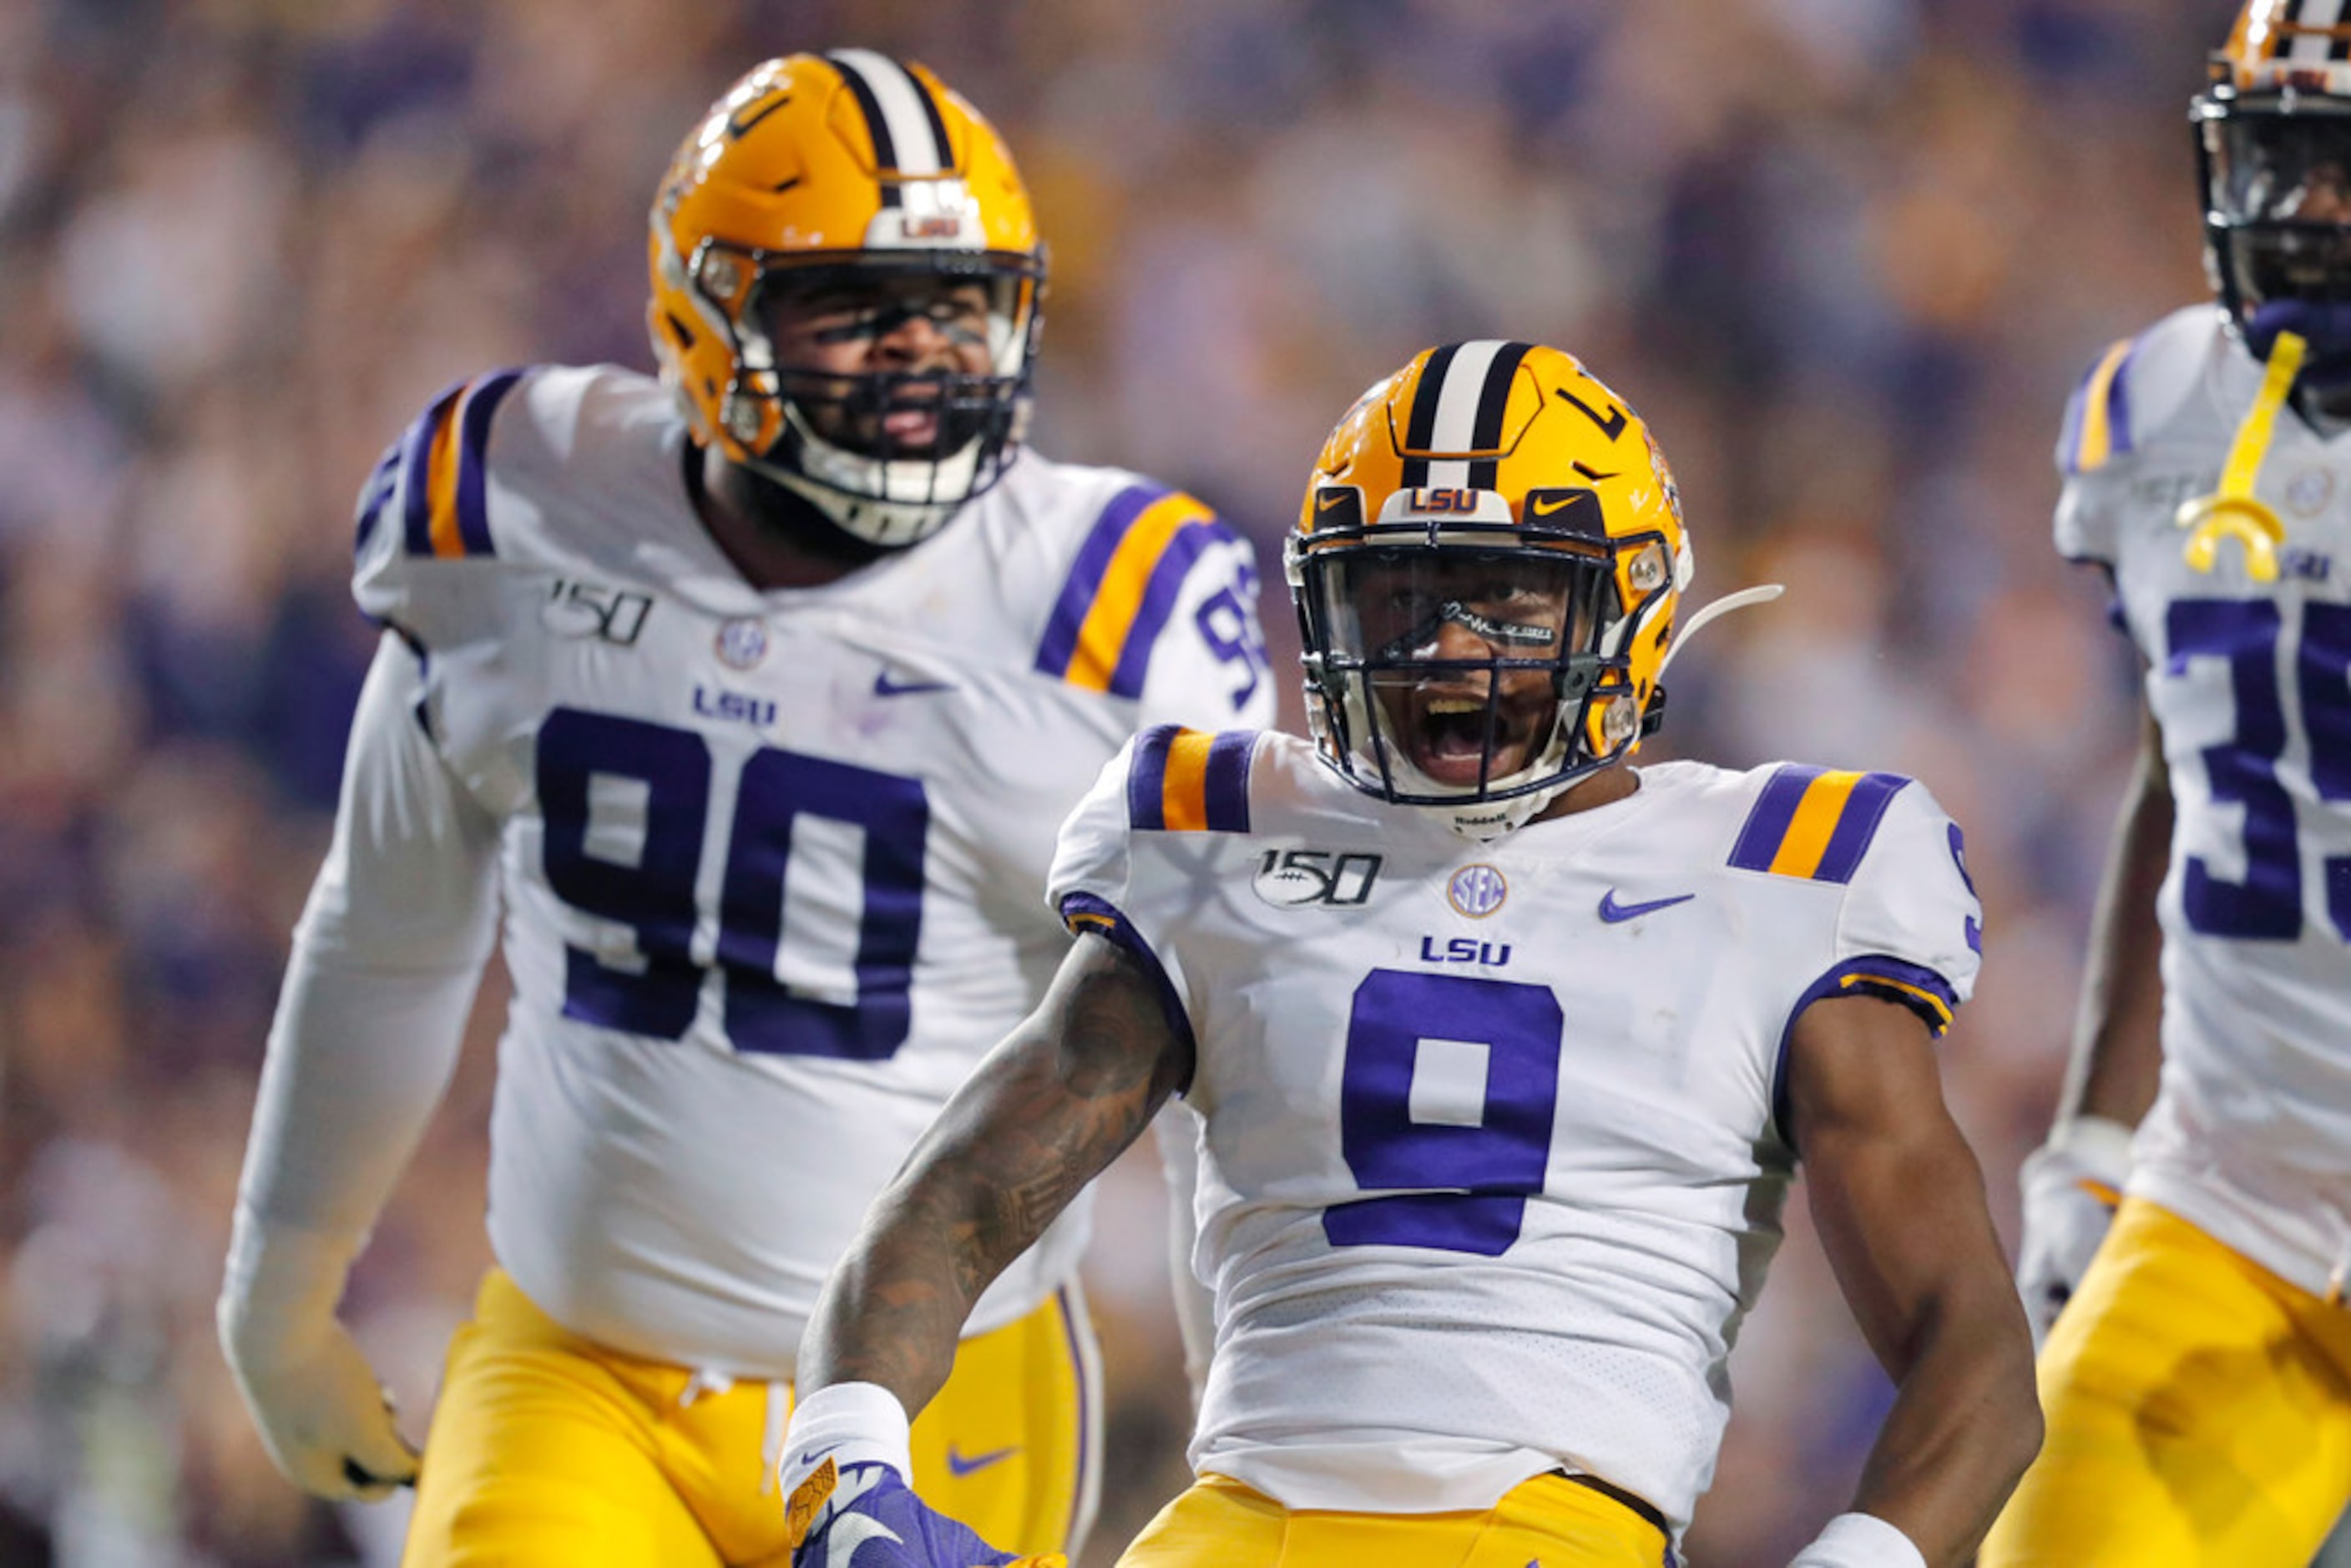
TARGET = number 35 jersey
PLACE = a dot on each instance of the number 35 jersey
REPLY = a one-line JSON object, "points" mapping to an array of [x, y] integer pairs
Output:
{"points": [[2249, 681], [1493, 1143], [770, 861]]}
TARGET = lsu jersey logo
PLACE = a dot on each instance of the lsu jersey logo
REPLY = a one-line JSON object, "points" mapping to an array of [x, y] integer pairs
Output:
{"points": [[1295, 879]]}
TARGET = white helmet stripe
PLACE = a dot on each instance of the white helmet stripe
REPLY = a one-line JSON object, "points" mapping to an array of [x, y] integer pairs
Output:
{"points": [[2314, 47], [906, 124], [1458, 399]]}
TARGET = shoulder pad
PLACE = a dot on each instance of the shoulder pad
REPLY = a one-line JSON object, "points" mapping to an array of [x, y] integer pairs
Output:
{"points": [[430, 485], [2134, 386], [1123, 584], [1189, 780], [1813, 823]]}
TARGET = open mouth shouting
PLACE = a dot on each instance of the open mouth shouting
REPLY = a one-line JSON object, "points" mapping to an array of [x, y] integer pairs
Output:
{"points": [[1456, 738]]}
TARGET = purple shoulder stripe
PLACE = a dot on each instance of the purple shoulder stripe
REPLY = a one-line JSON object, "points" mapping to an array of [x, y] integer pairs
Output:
{"points": [[473, 442], [1146, 777], [1768, 820], [1085, 579], [1857, 825]]}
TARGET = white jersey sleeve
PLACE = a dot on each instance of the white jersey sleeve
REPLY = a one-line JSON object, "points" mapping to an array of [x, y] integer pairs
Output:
{"points": [[425, 531], [1912, 928], [384, 966]]}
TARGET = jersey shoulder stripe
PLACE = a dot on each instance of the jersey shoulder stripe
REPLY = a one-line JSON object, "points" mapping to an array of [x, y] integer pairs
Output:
{"points": [[2097, 425], [1815, 824], [1190, 780], [443, 473], [1122, 586]]}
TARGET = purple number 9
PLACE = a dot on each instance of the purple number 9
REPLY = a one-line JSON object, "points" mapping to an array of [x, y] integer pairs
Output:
{"points": [[1449, 1086]]}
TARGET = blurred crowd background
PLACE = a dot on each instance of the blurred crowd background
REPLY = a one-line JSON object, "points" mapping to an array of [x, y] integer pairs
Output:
{"points": [[1848, 256]]}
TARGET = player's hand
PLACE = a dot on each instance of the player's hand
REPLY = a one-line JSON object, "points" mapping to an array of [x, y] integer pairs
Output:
{"points": [[864, 1515], [846, 1503], [2072, 1186], [323, 1415]]}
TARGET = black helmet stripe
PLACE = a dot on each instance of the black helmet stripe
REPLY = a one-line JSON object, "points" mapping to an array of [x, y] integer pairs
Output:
{"points": [[1493, 399], [1449, 411], [1420, 429], [909, 137]]}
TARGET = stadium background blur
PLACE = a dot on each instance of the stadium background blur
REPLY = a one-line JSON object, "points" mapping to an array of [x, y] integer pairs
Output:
{"points": [[1847, 256]]}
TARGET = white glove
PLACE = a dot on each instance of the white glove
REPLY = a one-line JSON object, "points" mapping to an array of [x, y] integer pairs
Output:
{"points": [[2071, 1184], [323, 1415], [1860, 1541]]}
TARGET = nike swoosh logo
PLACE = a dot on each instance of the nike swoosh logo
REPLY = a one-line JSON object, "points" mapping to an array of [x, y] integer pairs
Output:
{"points": [[1337, 498], [959, 1465], [1614, 913], [883, 687], [1559, 506]]}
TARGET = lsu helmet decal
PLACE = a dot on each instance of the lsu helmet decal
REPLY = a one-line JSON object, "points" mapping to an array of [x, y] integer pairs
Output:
{"points": [[1485, 567], [2273, 152], [848, 170]]}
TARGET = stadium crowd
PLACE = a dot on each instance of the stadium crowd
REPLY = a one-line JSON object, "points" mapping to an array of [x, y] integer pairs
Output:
{"points": [[1847, 256]]}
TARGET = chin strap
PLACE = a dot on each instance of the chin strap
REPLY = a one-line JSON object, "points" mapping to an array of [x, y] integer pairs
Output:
{"points": [[1761, 594]]}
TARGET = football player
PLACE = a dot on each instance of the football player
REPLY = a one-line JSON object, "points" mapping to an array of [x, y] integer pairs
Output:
{"points": [[2197, 1382], [1503, 1055], [750, 698]]}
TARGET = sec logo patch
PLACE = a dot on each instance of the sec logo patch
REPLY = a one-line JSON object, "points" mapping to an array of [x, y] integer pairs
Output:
{"points": [[1477, 891]]}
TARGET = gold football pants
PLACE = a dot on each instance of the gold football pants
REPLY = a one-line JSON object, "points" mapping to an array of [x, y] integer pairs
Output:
{"points": [[549, 1449], [2199, 1412], [1551, 1519]]}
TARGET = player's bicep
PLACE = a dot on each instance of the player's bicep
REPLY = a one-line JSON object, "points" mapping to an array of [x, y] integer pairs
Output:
{"points": [[1896, 1192], [1064, 1095]]}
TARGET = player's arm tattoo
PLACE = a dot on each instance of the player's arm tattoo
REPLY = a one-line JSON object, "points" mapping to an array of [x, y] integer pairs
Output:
{"points": [[1048, 1111]]}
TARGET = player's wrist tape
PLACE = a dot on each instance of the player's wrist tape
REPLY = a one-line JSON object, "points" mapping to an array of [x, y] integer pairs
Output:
{"points": [[849, 1422], [2101, 1144], [1860, 1541]]}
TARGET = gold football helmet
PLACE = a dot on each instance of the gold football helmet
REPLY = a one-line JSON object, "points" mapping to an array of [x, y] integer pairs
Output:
{"points": [[843, 172], [1485, 570]]}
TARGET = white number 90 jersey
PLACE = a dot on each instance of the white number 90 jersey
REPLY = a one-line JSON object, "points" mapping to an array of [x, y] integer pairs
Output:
{"points": [[1493, 1138], [769, 860], [2250, 683]]}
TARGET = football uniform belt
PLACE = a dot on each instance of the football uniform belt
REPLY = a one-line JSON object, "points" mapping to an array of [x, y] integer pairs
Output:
{"points": [[1641, 1507]]}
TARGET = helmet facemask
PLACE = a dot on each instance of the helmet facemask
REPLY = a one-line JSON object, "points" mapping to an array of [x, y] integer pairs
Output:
{"points": [[887, 453], [1477, 667], [2276, 170]]}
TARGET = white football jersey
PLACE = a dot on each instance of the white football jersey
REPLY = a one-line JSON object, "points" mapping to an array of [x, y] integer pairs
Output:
{"points": [[2251, 682], [1493, 1135], [770, 861]]}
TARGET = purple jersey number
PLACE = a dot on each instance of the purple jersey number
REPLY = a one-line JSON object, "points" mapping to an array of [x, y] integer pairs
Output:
{"points": [[1452, 1184], [2266, 905], [654, 896]]}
